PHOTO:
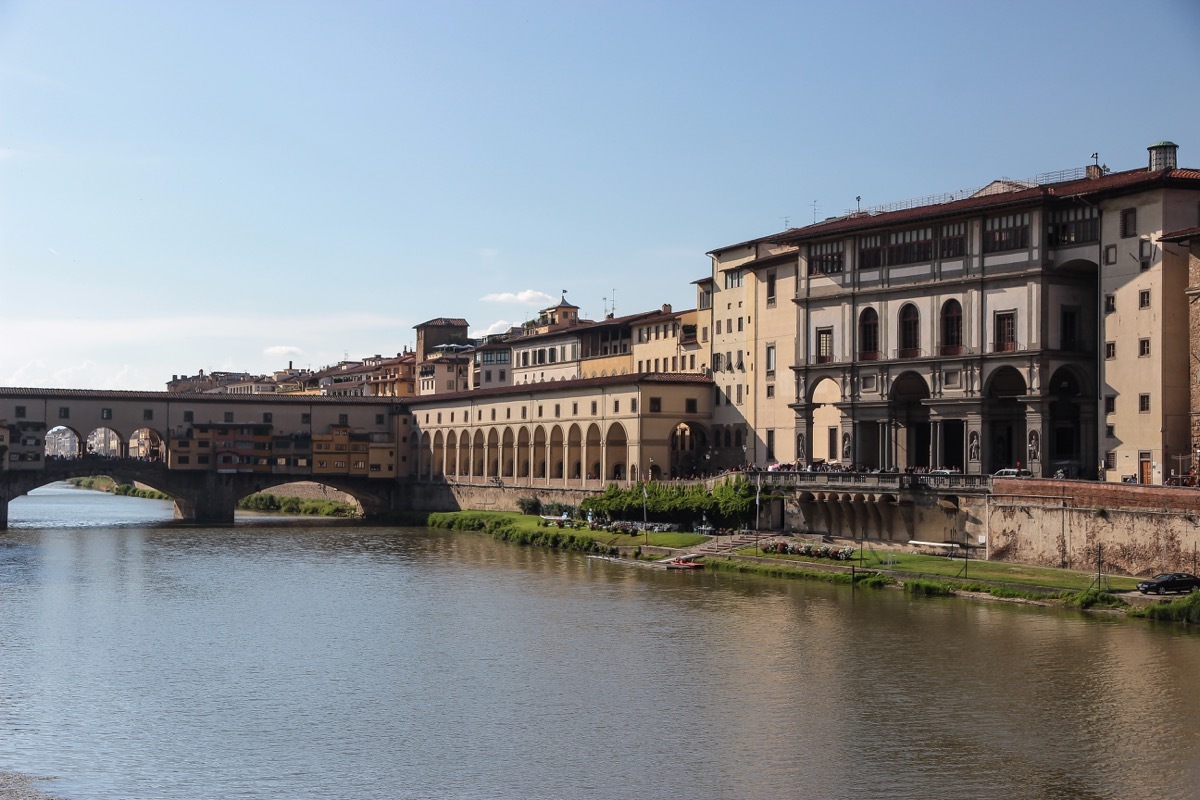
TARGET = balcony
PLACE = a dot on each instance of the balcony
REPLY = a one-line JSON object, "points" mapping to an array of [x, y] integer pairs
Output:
{"points": [[1007, 347], [869, 355]]}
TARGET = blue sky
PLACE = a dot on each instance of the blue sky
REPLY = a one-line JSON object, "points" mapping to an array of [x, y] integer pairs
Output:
{"points": [[233, 185]]}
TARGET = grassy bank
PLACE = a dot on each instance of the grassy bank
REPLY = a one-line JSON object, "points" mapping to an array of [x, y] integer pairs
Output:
{"points": [[530, 530], [998, 572], [264, 501], [102, 483]]}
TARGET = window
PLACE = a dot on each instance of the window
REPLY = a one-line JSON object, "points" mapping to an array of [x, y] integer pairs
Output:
{"points": [[739, 394], [770, 361], [106, 413], [1110, 350], [770, 390], [205, 459], [1069, 226], [1128, 223], [19, 412], [574, 409], [825, 258], [1006, 332], [1069, 328], [910, 332], [64, 412], [1110, 404], [593, 408], [267, 417], [704, 333], [718, 327], [868, 335], [1144, 298], [1110, 303], [633, 406], [770, 289], [953, 242], [1110, 254], [1110, 431], [616, 406], [1143, 348], [344, 419], [1006, 232], [557, 410], [439, 418], [655, 405], [502, 372], [689, 405], [717, 362], [951, 328], [824, 345], [770, 445], [739, 324], [733, 279], [185, 459], [870, 252], [908, 247], [1143, 404]]}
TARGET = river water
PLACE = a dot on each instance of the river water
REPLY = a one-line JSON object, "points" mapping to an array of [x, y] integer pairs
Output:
{"points": [[297, 659]]}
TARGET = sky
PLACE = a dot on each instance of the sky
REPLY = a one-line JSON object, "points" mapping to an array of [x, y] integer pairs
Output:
{"points": [[238, 185]]}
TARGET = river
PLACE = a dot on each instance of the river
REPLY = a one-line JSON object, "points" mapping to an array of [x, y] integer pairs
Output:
{"points": [[288, 659]]}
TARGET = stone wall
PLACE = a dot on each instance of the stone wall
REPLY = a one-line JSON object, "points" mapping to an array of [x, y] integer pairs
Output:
{"points": [[1140, 529]]}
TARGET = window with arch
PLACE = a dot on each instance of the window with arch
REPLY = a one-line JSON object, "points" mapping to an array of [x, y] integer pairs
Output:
{"points": [[910, 331], [868, 335], [951, 328]]}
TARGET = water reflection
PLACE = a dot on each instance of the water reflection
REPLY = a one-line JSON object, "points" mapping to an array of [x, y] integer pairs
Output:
{"points": [[309, 660]]}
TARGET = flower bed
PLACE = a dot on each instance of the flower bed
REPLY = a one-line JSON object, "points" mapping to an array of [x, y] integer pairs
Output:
{"points": [[810, 550]]}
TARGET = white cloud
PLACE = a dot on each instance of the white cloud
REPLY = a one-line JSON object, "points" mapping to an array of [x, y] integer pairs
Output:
{"points": [[528, 297], [499, 326], [279, 350]]}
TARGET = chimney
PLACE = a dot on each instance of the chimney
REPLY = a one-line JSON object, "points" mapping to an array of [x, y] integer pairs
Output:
{"points": [[1163, 155], [1094, 171]]}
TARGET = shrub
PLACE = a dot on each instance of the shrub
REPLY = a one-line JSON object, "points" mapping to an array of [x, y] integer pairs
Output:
{"points": [[529, 505]]}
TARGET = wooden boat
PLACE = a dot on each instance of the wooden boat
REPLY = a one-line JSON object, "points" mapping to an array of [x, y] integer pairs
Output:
{"points": [[682, 562]]}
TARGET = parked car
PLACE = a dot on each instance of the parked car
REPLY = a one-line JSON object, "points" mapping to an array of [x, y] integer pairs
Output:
{"points": [[1013, 473], [1170, 582]]}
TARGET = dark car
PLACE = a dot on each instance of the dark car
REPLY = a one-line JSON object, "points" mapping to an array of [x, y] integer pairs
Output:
{"points": [[1170, 582]]}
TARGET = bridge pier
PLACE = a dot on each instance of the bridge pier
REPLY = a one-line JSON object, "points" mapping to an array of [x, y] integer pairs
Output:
{"points": [[3, 513]]}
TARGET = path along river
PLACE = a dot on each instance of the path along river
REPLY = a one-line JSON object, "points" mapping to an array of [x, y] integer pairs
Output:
{"points": [[293, 659]]}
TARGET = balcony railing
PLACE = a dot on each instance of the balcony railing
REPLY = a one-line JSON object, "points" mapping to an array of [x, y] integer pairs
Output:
{"points": [[1007, 347]]}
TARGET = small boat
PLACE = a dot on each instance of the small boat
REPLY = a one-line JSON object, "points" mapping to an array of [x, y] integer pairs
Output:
{"points": [[682, 562]]}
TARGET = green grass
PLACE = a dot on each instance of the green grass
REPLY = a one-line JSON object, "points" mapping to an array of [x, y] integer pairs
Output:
{"points": [[1184, 610], [490, 521], [997, 571]]}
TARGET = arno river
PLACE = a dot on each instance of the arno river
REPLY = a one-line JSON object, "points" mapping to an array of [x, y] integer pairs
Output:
{"points": [[143, 659]]}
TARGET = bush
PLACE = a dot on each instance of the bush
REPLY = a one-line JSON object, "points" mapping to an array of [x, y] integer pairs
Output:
{"points": [[928, 588], [529, 505], [1185, 610]]}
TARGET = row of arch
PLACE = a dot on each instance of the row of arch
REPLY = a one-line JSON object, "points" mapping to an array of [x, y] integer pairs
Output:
{"points": [[574, 453], [909, 331]]}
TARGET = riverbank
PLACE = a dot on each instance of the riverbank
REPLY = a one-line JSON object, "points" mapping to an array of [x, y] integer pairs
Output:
{"points": [[872, 567], [309, 499]]}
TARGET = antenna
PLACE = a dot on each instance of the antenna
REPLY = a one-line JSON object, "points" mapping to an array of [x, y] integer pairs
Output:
{"points": [[786, 224], [858, 199], [814, 205], [614, 298]]}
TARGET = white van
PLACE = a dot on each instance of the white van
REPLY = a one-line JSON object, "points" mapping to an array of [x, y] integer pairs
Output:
{"points": [[1013, 473]]}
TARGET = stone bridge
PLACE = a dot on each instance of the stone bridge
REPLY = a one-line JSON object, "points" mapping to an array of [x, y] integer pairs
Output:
{"points": [[203, 497]]}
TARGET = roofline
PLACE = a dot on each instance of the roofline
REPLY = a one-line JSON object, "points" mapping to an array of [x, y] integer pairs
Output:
{"points": [[567, 384]]}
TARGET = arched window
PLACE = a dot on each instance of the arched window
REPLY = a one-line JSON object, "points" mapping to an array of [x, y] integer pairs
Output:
{"points": [[951, 328], [868, 335], [910, 332]]}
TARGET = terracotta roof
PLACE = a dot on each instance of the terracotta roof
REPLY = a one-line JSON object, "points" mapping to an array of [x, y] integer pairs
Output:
{"points": [[1181, 235], [1110, 184], [444, 322], [189, 397], [568, 385]]}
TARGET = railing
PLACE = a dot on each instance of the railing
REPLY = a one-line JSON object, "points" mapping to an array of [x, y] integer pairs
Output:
{"points": [[1007, 347], [909, 352]]}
